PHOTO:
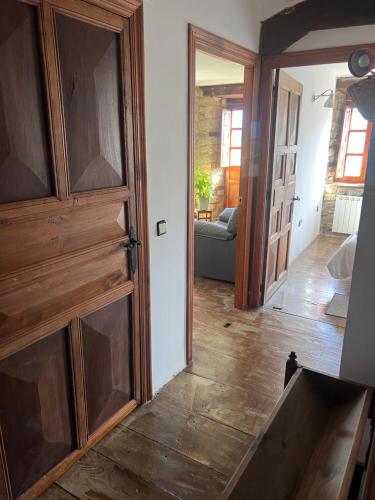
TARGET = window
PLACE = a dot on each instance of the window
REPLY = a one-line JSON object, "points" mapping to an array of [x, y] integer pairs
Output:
{"points": [[355, 140], [231, 138]]}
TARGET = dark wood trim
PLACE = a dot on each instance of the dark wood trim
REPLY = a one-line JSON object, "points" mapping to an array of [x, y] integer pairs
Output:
{"points": [[190, 200], [245, 222], [65, 465], [230, 90], [131, 215], [78, 377], [368, 489], [286, 27], [269, 64], [5, 487], [139, 131], [54, 103], [92, 14], [125, 8], [200, 39], [217, 46], [312, 57]]}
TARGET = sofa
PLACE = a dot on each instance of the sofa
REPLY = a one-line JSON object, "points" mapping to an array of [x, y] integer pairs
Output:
{"points": [[215, 247]]}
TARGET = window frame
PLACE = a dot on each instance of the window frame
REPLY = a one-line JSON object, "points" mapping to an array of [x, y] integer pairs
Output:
{"points": [[350, 179], [231, 109]]}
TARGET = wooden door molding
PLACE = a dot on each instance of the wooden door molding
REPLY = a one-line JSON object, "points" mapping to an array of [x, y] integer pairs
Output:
{"points": [[139, 141], [76, 237], [125, 8], [269, 64], [212, 44]]}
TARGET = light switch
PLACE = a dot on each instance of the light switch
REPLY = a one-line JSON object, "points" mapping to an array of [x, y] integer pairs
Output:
{"points": [[161, 227]]}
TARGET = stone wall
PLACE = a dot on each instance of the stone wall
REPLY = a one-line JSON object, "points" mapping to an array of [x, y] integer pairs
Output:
{"points": [[333, 189], [209, 104], [208, 117]]}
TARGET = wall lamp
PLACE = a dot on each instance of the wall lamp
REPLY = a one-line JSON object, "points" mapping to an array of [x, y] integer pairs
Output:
{"points": [[327, 93]]}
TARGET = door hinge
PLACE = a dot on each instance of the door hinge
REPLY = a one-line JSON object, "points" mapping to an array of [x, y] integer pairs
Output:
{"points": [[261, 288]]}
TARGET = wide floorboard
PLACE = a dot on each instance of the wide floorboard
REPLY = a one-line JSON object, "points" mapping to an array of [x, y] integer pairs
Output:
{"points": [[189, 440]]}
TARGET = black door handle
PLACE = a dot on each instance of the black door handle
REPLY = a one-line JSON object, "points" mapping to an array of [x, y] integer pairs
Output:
{"points": [[296, 198], [131, 247]]}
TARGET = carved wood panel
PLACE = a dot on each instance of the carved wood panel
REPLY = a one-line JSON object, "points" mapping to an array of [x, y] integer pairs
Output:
{"points": [[25, 170], [107, 351], [36, 411], [90, 76]]}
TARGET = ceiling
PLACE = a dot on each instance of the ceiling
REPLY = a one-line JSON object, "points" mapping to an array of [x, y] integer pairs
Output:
{"points": [[211, 70]]}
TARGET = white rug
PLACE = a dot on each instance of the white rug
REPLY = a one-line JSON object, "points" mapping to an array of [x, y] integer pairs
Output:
{"points": [[338, 306]]}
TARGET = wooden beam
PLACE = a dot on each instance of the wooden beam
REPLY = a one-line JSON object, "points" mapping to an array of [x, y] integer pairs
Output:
{"points": [[285, 28], [229, 90]]}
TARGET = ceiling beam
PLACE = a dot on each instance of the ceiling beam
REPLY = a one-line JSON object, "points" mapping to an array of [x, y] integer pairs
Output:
{"points": [[227, 90], [285, 28]]}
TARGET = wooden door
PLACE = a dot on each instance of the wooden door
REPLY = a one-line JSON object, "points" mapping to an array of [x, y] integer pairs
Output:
{"points": [[288, 95], [70, 290], [232, 186]]}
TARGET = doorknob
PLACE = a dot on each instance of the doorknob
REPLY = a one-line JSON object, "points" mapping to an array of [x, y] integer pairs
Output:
{"points": [[296, 198], [131, 247]]}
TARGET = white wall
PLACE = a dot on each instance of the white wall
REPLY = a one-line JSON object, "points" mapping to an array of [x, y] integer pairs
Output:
{"points": [[358, 357], [166, 68], [312, 158]]}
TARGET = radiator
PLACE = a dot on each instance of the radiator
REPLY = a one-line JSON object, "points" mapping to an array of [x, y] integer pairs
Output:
{"points": [[347, 214]]}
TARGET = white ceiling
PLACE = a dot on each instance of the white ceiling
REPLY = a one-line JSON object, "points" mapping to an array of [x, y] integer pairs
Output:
{"points": [[211, 70]]}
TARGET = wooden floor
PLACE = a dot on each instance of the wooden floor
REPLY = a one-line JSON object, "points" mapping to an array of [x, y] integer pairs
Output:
{"points": [[187, 443]]}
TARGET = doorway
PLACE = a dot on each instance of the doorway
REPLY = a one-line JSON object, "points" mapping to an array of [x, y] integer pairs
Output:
{"points": [[221, 171], [312, 222]]}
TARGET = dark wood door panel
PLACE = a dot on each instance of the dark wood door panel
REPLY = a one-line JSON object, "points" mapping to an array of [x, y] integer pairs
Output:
{"points": [[107, 352], [271, 276], [90, 66], [56, 233], [71, 186], [39, 296], [282, 118], [25, 169], [283, 180], [36, 413]]}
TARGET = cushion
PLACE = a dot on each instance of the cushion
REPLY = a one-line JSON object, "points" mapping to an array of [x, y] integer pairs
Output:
{"points": [[225, 214], [211, 230], [232, 223]]}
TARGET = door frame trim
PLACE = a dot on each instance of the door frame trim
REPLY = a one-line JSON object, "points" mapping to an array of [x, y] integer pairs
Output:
{"points": [[140, 180], [215, 45], [269, 64]]}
